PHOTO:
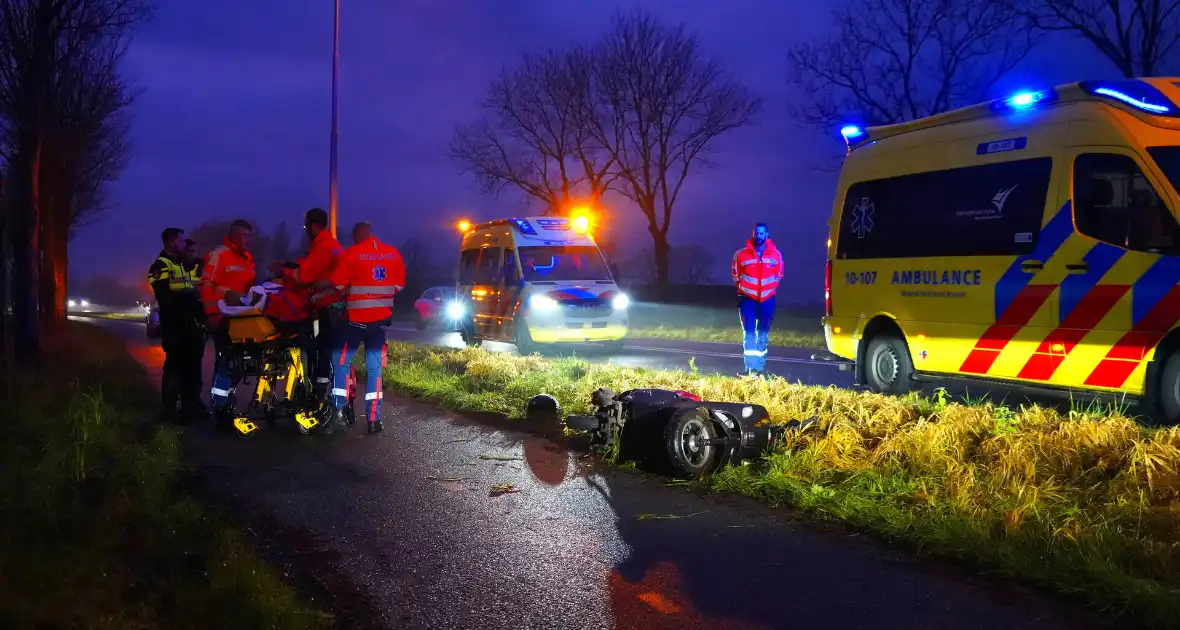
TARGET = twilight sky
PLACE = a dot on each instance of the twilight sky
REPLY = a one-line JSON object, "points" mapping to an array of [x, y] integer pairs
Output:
{"points": [[234, 121]]}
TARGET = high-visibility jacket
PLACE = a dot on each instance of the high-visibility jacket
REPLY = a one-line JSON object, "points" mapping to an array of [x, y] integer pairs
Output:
{"points": [[173, 287], [226, 269], [369, 274], [757, 276], [321, 259]]}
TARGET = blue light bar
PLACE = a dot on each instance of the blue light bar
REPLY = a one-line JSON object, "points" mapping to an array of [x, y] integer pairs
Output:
{"points": [[524, 226], [1134, 93], [1132, 101], [852, 132], [1023, 100]]}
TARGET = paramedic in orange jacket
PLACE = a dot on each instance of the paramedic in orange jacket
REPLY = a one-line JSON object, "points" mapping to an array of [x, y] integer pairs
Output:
{"points": [[310, 270], [229, 273], [757, 270], [370, 273]]}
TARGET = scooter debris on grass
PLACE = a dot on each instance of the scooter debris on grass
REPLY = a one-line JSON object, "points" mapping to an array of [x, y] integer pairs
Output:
{"points": [[673, 431]]}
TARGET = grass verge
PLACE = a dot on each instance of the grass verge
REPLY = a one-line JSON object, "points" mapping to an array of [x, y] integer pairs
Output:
{"points": [[782, 338], [1087, 503], [99, 531]]}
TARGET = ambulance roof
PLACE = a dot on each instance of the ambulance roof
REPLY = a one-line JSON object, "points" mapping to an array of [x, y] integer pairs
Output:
{"points": [[1154, 99], [537, 231]]}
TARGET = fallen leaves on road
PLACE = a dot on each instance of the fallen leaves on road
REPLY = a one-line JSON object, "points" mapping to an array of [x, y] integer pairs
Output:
{"points": [[498, 489], [649, 517], [433, 478]]}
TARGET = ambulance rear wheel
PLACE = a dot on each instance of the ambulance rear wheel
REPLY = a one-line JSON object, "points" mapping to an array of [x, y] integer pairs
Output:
{"points": [[1168, 393], [887, 368]]}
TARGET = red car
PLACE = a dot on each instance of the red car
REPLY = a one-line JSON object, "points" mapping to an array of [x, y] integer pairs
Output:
{"points": [[431, 307]]}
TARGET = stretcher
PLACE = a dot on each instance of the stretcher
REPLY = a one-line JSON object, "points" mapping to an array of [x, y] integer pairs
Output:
{"points": [[267, 336]]}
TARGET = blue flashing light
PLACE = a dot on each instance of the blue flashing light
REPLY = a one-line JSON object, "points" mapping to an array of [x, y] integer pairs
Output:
{"points": [[1135, 93], [1023, 100], [1132, 101], [852, 132], [524, 226]]}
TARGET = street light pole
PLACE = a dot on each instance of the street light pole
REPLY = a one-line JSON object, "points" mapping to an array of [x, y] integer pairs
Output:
{"points": [[332, 151]]}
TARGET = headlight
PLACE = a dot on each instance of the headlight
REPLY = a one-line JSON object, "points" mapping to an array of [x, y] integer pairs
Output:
{"points": [[621, 302], [455, 310], [543, 303], [85, 303], [71, 303]]}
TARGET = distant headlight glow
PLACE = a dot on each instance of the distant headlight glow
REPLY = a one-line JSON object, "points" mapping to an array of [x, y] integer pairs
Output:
{"points": [[455, 310]]}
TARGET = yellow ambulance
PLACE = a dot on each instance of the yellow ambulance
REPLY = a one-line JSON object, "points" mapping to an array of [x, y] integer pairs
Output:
{"points": [[534, 282], [1032, 240]]}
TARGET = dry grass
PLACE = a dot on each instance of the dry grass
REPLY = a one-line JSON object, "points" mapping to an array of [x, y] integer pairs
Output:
{"points": [[1087, 502]]}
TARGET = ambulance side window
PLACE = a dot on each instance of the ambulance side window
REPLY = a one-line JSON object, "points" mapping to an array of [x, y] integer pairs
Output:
{"points": [[468, 261], [1115, 203]]}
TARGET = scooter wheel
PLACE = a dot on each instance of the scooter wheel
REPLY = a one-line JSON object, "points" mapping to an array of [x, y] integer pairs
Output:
{"points": [[686, 441]]}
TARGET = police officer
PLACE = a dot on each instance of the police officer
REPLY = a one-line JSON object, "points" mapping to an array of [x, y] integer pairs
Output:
{"points": [[179, 309], [311, 270], [757, 270], [369, 274]]}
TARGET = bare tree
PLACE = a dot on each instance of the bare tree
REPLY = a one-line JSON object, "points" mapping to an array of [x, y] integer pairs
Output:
{"points": [[45, 45], [530, 139], [1140, 37], [84, 148], [659, 104], [891, 61]]}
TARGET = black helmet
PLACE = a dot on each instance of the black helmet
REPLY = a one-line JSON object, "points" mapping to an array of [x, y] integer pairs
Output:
{"points": [[543, 408]]}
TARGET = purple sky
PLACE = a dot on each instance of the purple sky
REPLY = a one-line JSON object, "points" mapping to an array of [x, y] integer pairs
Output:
{"points": [[234, 121]]}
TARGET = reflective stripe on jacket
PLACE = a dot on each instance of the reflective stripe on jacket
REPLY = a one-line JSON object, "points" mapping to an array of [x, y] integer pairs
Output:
{"points": [[370, 274], [757, 276], [172, 272]]}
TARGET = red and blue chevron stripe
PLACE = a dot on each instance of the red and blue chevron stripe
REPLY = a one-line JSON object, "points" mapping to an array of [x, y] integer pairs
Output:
{"points": [[572, 293], [1082, 304], [1155, 309], [1016, 299]]}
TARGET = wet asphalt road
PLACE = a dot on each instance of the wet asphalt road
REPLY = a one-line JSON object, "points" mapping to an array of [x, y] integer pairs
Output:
{"points": [[412, 520]]}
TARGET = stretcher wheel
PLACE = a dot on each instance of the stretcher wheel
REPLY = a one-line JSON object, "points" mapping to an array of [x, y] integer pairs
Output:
{"points": [[686, 439]]}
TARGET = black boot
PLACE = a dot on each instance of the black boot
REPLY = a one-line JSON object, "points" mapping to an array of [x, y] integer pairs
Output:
{"points": [[336, 423], [375, 427]]}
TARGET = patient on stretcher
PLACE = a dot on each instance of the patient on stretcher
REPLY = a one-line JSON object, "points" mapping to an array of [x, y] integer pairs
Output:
{"points": [[268, 311]]}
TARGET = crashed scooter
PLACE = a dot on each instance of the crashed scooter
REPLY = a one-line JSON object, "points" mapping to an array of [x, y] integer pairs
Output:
{"points": [[676, 431]]}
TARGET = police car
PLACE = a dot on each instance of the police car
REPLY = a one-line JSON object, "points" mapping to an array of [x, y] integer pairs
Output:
{"points": [[1032, 239], [535, 282]]}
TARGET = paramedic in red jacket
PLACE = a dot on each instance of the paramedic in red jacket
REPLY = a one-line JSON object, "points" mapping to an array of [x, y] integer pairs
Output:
{"points": [[757, 270], [311, 270], [369, 274]]}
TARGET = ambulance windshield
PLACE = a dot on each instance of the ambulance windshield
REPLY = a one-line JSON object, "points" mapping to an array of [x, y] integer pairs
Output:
{"points": [[1168, 159], [562, 263]]}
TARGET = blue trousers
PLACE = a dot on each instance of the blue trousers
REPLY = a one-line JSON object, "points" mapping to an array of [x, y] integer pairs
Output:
{"points": [[346, 339], [756, 320]]}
